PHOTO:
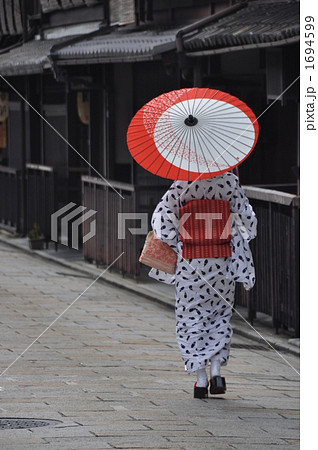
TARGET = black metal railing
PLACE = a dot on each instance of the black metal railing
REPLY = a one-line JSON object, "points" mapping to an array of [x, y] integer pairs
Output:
{"points": [[40, 197], [10, 199], [276, 257], [119, 207], [275, 250]]}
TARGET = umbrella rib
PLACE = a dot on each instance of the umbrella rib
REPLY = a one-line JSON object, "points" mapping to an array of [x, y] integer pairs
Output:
{"points": [[194, 113], [214, 136], [186, 93], [163, 132], [188, 135], [219, 105], [232, 121], [176, 138], [195, 136], [151, 143], [146, 137], [209, 151], [142, 151], [226, 149], [208, 105], [234, 128], [186, 132], [182, 102], [175, 155], [241, 134], [219, 109], [220, 154], [217, 133], [195, 98], [222, 106], [211, 155], [177, 112], [225, 114], [155, 106], [181, 114], [199, 109], [202, 153], [190, 155], [192, 145], [179, 120], [154, 160], [178, 105]]}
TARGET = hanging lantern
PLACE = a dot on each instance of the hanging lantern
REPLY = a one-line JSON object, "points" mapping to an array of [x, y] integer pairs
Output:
{"points": [[83, 107]]}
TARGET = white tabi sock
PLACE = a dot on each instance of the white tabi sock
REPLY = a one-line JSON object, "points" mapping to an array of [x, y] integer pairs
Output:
{"points": [[202, 379], [215, 368]]}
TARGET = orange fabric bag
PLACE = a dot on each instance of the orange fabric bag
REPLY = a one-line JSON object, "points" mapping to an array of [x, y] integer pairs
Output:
{"points": [[158, 254]]}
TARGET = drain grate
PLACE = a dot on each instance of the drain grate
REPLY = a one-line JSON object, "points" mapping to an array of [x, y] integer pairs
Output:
{"points": [[249, 346], [14, 423]]}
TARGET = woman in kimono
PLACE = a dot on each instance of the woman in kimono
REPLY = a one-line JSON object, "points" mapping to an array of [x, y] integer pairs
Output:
{"points": [[205, 286]]}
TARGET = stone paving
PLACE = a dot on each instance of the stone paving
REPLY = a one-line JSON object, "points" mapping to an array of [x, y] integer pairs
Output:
{"points": [[109, 371]]}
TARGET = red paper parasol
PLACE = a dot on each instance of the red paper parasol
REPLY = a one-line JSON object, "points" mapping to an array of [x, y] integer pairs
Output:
{"points": [[192, 133]]}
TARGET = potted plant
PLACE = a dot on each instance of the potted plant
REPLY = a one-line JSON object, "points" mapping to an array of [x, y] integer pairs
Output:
{"points": [[36, 238]]}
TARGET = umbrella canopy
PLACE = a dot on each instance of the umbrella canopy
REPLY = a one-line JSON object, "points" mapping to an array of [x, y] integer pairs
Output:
{"points": [[192, 133]]}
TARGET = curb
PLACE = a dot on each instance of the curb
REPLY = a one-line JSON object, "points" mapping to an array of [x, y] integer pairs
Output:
{"points": [[164, 300]]}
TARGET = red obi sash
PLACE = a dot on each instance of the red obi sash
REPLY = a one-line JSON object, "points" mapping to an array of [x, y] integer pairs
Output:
{"points": [[205, 229]]}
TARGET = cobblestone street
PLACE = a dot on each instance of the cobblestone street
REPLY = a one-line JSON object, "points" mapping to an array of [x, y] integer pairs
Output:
{"points": [[109, 371]]}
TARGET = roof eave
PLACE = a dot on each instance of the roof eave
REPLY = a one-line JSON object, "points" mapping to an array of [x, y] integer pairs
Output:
{"points": [[152, 55], [24, 70], [106, 59], [215, 51]]}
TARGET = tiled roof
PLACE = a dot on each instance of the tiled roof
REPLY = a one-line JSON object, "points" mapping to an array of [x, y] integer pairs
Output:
{"points": [[259, 22], [31, 57], [118, 46], [52, 5]]}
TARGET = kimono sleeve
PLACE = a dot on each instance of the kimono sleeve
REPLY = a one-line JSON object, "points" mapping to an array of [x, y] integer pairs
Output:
{"points": [[245, 217], [165, 218]]}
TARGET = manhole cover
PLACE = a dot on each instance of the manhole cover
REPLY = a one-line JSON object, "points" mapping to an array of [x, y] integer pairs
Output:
{"points": [[12, 423], [249, 346]]}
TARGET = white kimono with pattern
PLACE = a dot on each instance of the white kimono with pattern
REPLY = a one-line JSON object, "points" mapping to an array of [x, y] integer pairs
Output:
{"points": [[205, 287]]}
